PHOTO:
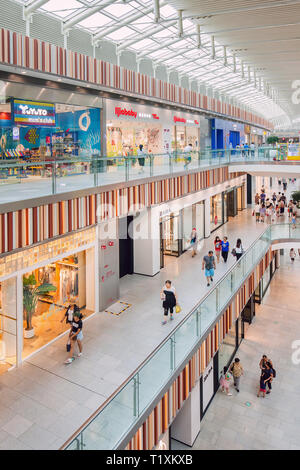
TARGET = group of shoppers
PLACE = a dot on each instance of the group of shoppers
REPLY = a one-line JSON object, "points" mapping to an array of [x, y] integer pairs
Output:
{"points": [[236, 371], [221, 250], [269, 208]]}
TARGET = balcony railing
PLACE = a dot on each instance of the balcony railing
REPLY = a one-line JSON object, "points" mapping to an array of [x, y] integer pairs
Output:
{"points": [[112, 422], [20, 179]]}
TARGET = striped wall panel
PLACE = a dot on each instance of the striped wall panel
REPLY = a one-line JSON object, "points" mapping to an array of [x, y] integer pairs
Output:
{"points": [[148, 435], [28, 226], [34, 54]]}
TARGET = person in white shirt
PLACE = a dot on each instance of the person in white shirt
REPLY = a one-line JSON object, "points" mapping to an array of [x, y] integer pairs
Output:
{"points": [[257, 212], [188, 155], [252, 146], [141, 158]]}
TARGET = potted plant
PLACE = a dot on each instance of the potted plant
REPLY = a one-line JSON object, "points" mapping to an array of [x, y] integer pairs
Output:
{"points": [[295, 196], [272, 140], [31, 294]]}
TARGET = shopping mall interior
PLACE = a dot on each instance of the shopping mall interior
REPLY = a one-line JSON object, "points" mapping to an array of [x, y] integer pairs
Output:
{"points": [[149, 226]]}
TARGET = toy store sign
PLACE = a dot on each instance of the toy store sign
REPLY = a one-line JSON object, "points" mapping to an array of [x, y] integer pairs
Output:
{"points": [[183, 120], [120, 112], [34, 113]]}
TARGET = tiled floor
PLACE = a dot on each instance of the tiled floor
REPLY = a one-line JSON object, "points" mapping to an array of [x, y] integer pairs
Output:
{"points": [[45, 401], [272, 422]]}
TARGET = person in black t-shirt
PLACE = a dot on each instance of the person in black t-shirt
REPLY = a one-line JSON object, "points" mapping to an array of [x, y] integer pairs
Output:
{"points": [[75, 336]]}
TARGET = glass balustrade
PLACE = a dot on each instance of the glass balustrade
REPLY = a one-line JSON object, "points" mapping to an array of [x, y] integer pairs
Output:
{"points": [[112, 423], [21, 179]]}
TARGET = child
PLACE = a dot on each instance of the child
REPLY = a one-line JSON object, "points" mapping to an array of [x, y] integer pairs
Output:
{"points": [[225, 382], [293, 221]]}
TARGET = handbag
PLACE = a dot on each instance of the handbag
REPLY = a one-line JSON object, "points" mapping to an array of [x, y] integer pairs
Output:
{"points": [[177, 309]]}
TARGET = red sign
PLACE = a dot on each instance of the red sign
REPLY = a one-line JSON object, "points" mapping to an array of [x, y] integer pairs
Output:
{"points": [[110, 243], [196, 122], [178, 119], [155, 116], [103, 247], [125, 112]]}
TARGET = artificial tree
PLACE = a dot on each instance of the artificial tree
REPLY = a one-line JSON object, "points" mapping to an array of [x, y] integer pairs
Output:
{"points": [[296, 197], [31, 294], [272, 139]]}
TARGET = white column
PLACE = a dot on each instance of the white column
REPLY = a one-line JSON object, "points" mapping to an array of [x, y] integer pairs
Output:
{"points": [[19, 318], [97, 270], [186, 425], [90, 274], [146, 243], [207, 217]]}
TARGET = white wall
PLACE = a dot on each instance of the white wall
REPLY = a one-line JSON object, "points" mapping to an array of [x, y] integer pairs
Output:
{"points": [[146, 244], [186, 425]]}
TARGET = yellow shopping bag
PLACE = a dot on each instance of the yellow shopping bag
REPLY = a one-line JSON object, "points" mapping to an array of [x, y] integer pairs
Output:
{"points": [[178, 308]]}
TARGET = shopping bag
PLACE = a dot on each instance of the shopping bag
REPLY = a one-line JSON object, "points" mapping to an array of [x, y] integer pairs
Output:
{"points": [[178, 308], [68, 345]]}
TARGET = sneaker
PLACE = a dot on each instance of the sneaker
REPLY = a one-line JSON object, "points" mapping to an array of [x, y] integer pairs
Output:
{"points": [[237, 390], [212, 279], [171, 318], [208, 284], [79, 354], [69, 360], [229, 394], [164, 322]]}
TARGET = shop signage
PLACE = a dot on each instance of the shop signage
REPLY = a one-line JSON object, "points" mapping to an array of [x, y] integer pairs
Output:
{"points": [[125, 112], [185, 121], [208, 385], [34, 113], [130, 113]]}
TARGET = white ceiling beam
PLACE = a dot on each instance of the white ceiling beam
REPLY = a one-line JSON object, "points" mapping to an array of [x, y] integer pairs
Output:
{"points": [[77, 18], [140, 37], [33, 6], [130, 19], [260, 6]]}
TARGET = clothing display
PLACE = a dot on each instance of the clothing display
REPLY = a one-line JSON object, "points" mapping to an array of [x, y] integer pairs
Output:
{"points": [[68, 284]]}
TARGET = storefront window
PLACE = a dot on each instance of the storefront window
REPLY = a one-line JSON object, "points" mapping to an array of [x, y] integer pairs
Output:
{"points": [[8, 323], [49, 290], [228, 348], [170, 236], [187, 225], [35, 131], [240, 198], [124, 138], [216, 211]]}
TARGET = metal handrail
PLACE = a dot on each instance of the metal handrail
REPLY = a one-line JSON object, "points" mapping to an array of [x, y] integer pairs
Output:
{"points": [[165, 340]]}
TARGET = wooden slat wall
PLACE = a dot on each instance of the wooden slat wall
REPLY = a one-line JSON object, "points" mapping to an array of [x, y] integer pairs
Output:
{"points": [[19, 50], [28, 226]]}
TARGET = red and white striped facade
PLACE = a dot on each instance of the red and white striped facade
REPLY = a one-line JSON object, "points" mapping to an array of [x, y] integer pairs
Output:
{"points": [[23, 51], [148, 435], [25, 227]]}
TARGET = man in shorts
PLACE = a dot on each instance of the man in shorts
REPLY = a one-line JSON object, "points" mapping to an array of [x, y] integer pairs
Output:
{"points": [[209, 264]]}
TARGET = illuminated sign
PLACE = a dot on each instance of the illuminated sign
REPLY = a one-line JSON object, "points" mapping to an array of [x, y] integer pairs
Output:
{"points": [[130, 113], [34, 113], [178, 119], [125, 112]]}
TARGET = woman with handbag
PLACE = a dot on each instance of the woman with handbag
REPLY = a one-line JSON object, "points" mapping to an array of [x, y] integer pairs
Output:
{"points": [[75, 336], [238, 250], [168, 296]]}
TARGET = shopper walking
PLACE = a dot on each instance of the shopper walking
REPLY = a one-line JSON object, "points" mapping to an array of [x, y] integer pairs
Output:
{"points": [[141, 157], [225, 249], [262, 212], [218, 247], [292, 254], [187, 155], [294, 221], [169, 298], [208, 263], [238, 250], [69, 313], [237, 371], [75, 336], [257, 198], [194, 242], [284, 184], [257, 212], [225, 382]]}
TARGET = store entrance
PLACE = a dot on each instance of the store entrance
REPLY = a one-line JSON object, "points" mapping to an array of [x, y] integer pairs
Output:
{"points": [[228, 348], [170, 239], [125, 247], [47, 293]]}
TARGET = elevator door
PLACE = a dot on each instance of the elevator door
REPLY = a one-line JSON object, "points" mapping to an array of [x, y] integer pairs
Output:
{"points": [[125, 247]]}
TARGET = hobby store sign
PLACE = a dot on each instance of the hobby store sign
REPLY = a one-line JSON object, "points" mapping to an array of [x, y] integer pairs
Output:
{"points": [[134, 114]]}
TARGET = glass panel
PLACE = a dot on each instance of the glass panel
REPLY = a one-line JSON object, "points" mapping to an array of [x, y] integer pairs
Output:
{"points": [[154, 374], [185, 335], [8, 324], [225, 291], [208, 310]]}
